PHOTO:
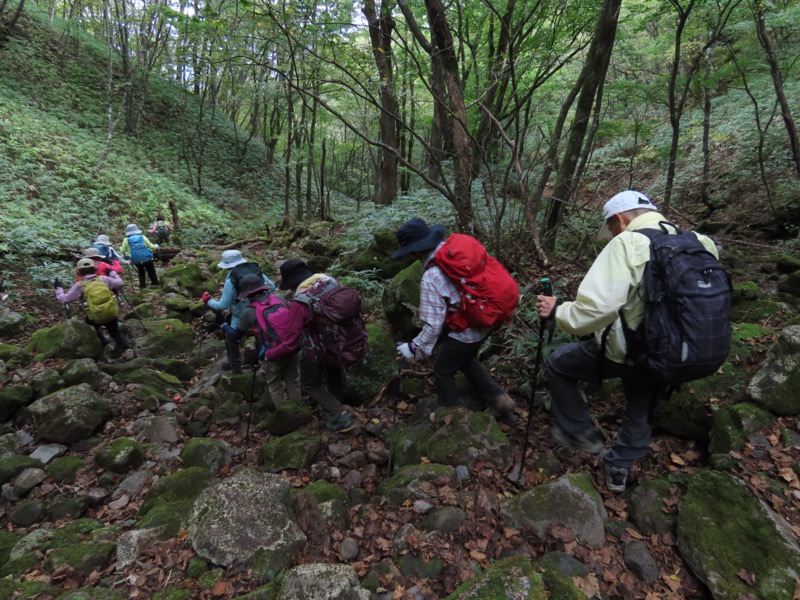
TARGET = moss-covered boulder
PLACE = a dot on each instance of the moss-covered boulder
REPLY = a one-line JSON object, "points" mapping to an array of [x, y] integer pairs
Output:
{"points": [[94, 594], [774, 387], [9, 445], [734, 424], [790, 284], [295, 450], [12, 398], [11, 323], [288, 417], [165, 337], [206, 453], [321, 580], [401, 301], [69, 415], [64, 469], [70, 339], [11, 466], [152, 383], [271, 536], [410, 482], [187, 279], [787, 263], [646, 506], [46, 382], [690, 411], [455, 436], [82, 558], [365, 378], [723, 530], [14, 356], [120, 455], [176, 368], [82, 370], [571, 501], [325, 491], [170, 499], [377, 257], [513, 577], [8, 539], [182, 308]]}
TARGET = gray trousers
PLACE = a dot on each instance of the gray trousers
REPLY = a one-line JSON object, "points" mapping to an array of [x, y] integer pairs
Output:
{"points": [[280, 372], [580, 361], [324, 384]]}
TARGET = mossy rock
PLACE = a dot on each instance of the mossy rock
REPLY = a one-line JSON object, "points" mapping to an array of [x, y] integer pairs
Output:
{"points": [[206, 453], [173, 593], [163, 383], [365, 378], [25, 514], [401, 301], [295, 450], [751, 311], [177, 368], [19, 566], [14, 356], [288, 417], [170, 499], [774, 387], [456, 436], [790, 284], [69, 415], [745, 291], [120, 455], [72, 507], [265, 592], [82, 370], [376, 258], [324, 491], [26, 589], [646, 503], [723, 530], [408, 479], [70, 339], [241, 384], [513, 577], [787, 263], [189, 278], [46, 382], [8, 539], [11, 466], [12, 398], [94, 594], [733, 425], [165, 338], [8, 351], [11, 323]]}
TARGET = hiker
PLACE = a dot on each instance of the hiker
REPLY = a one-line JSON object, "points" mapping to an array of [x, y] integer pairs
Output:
{"points": [[609, 293], [266, 318], [324, 383], [237, 267], [139, 250], [100, 305], [459, 349], [106, 250], [162, 229], [102, 265]]}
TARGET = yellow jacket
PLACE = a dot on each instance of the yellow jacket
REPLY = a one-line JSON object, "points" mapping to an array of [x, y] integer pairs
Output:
{"points": [[613, 283]]}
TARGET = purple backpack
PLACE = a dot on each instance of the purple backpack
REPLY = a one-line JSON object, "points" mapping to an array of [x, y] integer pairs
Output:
{"points": [[271, 314]]}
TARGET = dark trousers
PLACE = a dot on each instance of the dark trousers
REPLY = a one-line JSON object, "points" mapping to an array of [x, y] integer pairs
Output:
{"points": [[324, 384], [113, 330], [571, 363], [455, 356], [150, 268]]}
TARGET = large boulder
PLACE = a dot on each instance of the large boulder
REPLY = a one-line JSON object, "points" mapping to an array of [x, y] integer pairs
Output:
{"points": [[734, 424], [164, 337], [377, 257], [70, 339], [724, 531], [571, 501], [774, 387], [506, 579], [190, 279], [246, 518], [82, 370], [292, 451], [454, 436], [208, 454], [12, 398], [365, 377], [11, 323], [790, 284], [171, 498], [69, 415], [321, 581], [401, 300]]}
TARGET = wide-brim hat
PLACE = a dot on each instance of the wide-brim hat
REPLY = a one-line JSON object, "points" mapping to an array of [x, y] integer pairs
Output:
{"points": [[293, 273], [132, 230], [92, 253], [415, 236], [251, 284], [102, 239], [230, 259], [622, 202]]}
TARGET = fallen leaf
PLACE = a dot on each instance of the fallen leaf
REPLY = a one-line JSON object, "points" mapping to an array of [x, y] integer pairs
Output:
{"points": [[222, 588], [677, 459], [747, 576]]}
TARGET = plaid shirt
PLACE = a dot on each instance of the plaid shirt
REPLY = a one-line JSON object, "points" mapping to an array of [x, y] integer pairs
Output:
{"points": [[437, 297]]}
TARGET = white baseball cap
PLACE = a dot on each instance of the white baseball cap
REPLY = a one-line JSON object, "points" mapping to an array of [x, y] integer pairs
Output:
{"points": [[623, 202]]}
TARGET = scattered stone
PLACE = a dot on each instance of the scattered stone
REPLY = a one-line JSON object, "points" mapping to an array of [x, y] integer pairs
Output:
{"points": [[348, 549], [9, 445], [120, 455], [26, 514], [462, 473], [70, 414], [377, 453], [27, 480], [120, 502], [322, 581], [339, 449], [48, 452], [129, 544], [639, 560], [97, 495], [423, 507], [354, 460], [447, 519]]}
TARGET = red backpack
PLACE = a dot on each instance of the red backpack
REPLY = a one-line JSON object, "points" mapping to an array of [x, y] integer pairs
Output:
{"points": [[489, 294], [271, 314]]}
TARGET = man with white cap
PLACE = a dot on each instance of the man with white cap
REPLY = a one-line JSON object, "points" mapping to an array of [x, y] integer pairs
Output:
{"points": [[106, 250], [611, 288], [237, 267]]}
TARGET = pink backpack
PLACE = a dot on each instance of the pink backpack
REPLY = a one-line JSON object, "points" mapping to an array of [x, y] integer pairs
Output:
{"points": [[271, 314]]}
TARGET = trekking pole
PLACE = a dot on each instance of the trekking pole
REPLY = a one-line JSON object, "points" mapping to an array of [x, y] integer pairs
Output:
{"points": [[133, 310], [250, 407], [517, 478]]}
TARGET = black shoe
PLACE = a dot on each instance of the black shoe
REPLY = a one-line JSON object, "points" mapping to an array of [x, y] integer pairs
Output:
{"points": [[616, 477], [589, 441]]}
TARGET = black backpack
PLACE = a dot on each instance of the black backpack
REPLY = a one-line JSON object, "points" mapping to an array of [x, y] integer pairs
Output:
{"points": [[686, 330], [239, 271]]}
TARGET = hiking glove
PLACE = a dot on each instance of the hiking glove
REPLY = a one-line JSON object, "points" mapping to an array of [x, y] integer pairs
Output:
{"points": [[205, 297], [56, 283], [406, 350]]}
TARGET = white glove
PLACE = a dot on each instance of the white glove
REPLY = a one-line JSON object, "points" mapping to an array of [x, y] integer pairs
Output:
{"points": [[406, 350]]}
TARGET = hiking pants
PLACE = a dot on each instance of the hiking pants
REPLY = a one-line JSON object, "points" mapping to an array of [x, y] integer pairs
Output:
{"points": [[580, 361], [150, 268], [280, 372], [113, 330], [325, 386], [455, 356]]}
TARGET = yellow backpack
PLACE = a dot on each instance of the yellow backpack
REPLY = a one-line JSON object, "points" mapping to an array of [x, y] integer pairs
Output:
{"points": [[101, 305]]}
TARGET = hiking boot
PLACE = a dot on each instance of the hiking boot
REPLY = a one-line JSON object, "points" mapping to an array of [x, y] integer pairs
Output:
{"points": [[616, 477], [589, 441], [341, 424], [503, 404]]}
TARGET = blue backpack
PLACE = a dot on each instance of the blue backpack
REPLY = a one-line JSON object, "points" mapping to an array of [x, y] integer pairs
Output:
{"points": [[105, 251], [140, 253]]}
